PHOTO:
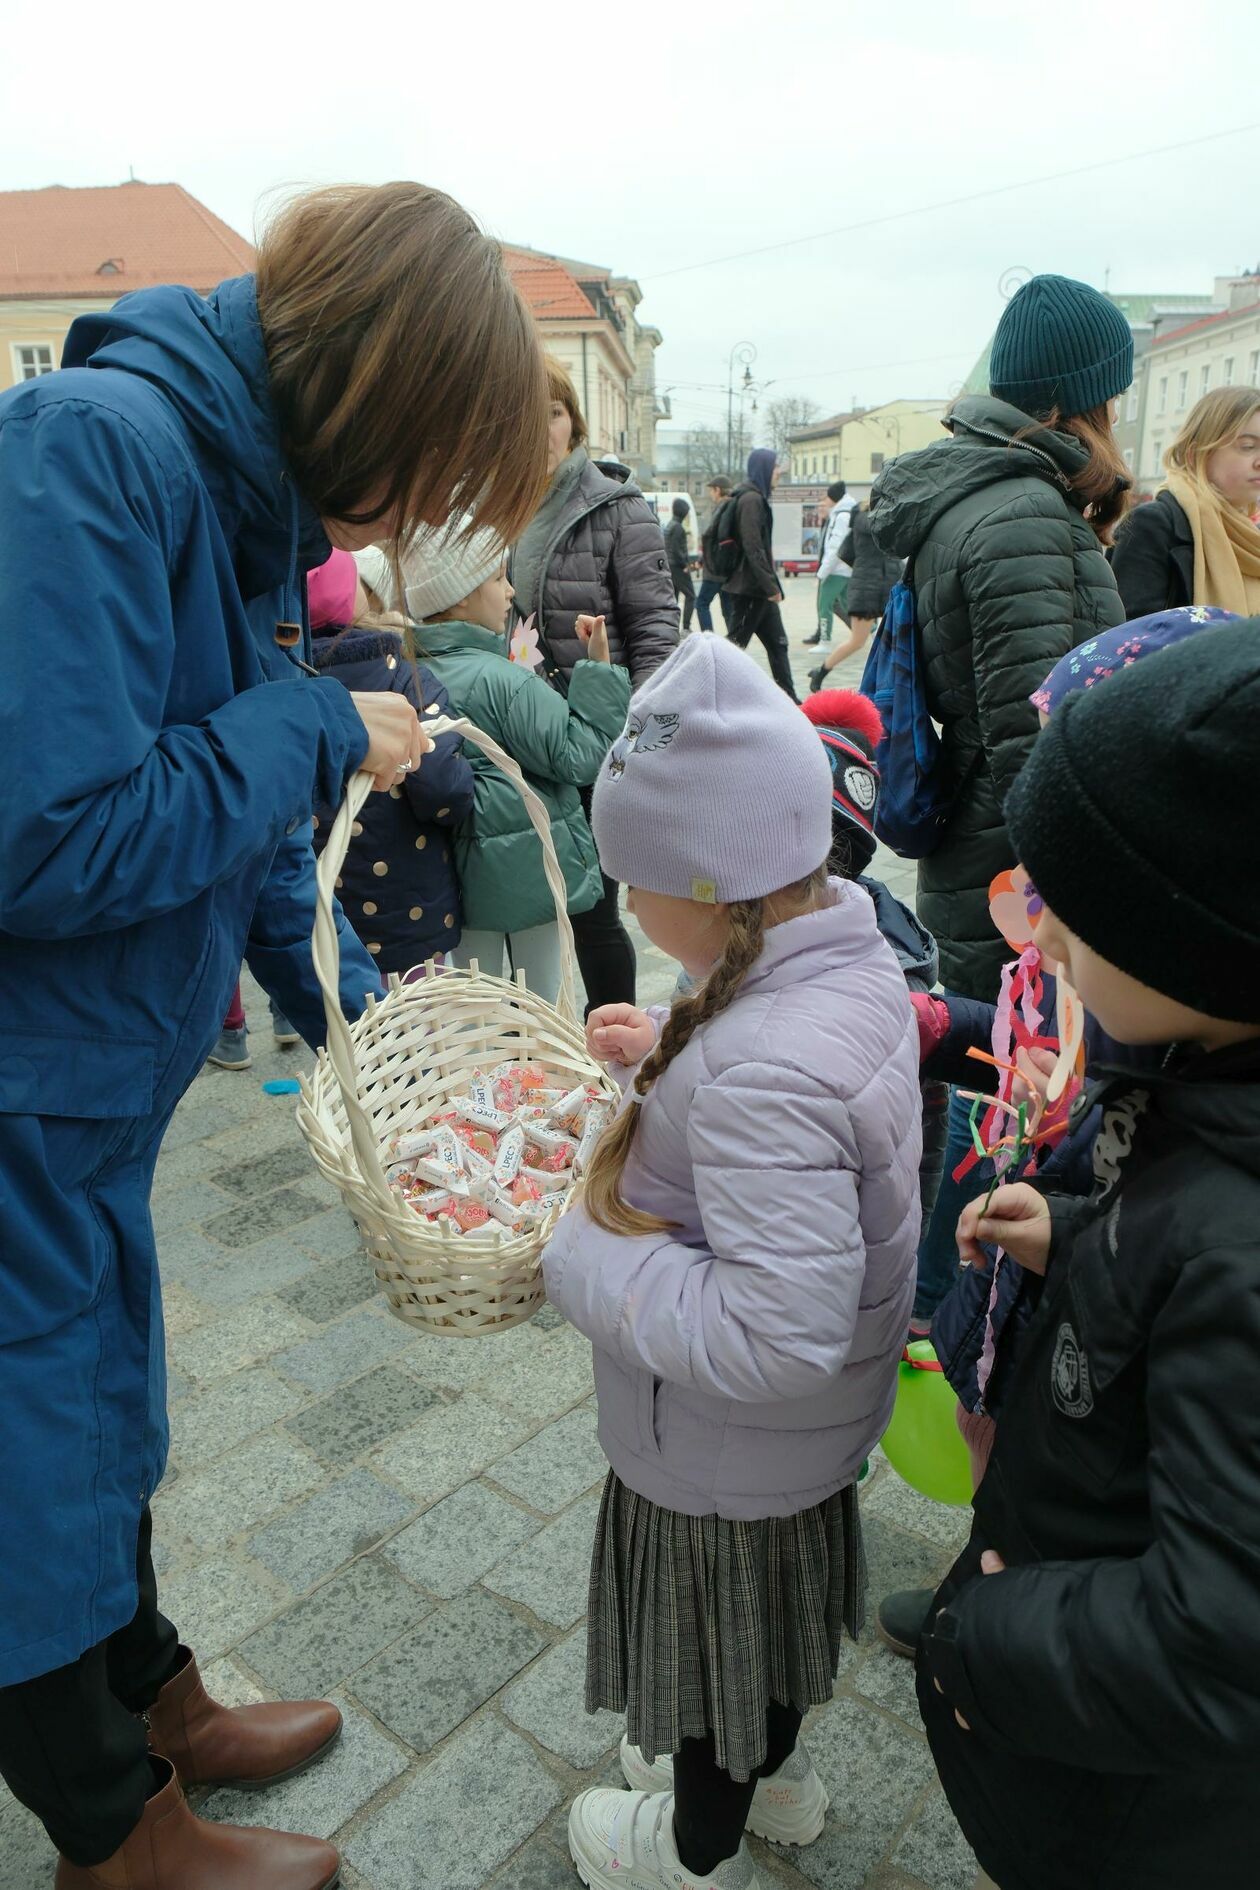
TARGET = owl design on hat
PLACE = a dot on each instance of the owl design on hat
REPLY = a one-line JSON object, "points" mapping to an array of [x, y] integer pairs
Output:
{"points": [[644, 735]]}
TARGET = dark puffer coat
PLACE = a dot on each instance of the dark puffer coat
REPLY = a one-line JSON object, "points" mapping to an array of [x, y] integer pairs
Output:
{"points": [[754, 575], [1111, 1674], [1153, 561], [874, 571], [607, 558], [1008, 578], [398, 885]]}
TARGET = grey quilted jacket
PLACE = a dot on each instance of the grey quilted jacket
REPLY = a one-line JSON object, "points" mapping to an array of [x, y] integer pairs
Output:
{"points": [[606, 557], [1008, 577]]}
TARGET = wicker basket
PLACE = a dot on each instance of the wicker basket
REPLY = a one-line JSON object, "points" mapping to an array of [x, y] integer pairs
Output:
{"points": [[406, 1055]]}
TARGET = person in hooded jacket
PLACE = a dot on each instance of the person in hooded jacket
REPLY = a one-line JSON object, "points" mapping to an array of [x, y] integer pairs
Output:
{"points": [[753, 590], [678, 551], [1004, 526], [594, 551], [1090, 1677], [398, 885], [191, 461]]}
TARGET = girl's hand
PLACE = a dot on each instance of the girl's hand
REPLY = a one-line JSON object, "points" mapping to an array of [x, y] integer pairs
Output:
{"points": [[594, 633], [618, 1033], [396, 740], [1018, 1221], [1035, 1067]]}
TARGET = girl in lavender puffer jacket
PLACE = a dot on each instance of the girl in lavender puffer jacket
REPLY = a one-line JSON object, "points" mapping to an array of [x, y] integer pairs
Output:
{"points": [[743, 1261]]}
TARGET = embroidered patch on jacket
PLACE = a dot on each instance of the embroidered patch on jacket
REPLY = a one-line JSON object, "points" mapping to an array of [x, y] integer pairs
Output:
{"points": [[642, 735], [1069, 1375], [862, 787]]}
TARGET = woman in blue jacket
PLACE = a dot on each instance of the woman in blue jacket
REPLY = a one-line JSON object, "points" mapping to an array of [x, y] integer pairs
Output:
{"points": [[161, 498]]}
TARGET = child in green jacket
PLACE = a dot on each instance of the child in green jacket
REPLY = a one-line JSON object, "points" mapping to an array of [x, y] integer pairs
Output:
{"points": [[457, 594]]}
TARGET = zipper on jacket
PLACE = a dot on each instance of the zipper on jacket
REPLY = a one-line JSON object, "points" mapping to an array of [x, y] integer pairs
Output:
{"points": [[1004, 439]]}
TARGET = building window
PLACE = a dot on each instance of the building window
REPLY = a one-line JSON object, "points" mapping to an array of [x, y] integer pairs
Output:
{"points": [[1253, 368], [1205, 379], [1161, 405], [1128, 457], [1227, 371], [1131, 411], [31, 359], [1157, 450], [1183, 388], [877, 462]]}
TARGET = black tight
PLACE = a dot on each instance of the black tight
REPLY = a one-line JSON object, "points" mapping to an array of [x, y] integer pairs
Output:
{"points": [[710, 1807]]}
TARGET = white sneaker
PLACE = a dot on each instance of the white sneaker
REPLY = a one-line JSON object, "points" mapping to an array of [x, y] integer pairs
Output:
{"points": [[787, 1808], [625, 1841]]}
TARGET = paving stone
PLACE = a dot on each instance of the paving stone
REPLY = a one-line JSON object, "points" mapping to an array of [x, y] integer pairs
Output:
{"points": [[538, 1866], [458, 1364], [889, 1680], [225, 1682], [360, 1415], [935, 1849], [874, 1772], [208, 1507], [234, 1275], [320, 1801], [944, 1525], [223, 1415], [459, 1538], [182, 1311], [332, 1235], [343, 1351], [429, 1682], [177, 1385], [346, 1519], [548, 1702], [311, 1649], [461, 1817], [187, 1254], [27, 1859], [450, 1444], [214, 1604], [193, 1162], [263, 1172], [242, 1337], [551, 1574], [248, 1221], [197, 1123], [189, 1205], [560, 1374], [549, 1318], [558, 1465], [896, 1559], [262, 1133], [330, 1290]]}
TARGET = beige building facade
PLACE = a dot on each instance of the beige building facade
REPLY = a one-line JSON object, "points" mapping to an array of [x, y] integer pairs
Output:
{"points": [[1180, 367], [856, 446]]}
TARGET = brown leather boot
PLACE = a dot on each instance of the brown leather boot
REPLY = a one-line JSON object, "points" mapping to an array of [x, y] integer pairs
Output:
{"points": [[170, 1849], [251, 1746]]}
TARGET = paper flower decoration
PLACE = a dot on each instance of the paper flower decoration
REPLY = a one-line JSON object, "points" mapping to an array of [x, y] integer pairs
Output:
{"points": [[524, 646], [1015, 905]]}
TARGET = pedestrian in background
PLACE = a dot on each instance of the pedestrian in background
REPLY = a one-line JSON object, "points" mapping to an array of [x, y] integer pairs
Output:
{"points": [[836, 512], [718, 489], [594, 551], [678, 551], [1005, 524], [754, 589], [1197, 542], [874, 572]]}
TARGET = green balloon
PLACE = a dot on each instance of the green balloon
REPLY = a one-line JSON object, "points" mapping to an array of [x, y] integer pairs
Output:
{"points": [[923, 1443]]}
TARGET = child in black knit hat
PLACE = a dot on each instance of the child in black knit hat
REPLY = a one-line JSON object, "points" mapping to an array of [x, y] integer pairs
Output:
{"points": [[1090, 1681]]}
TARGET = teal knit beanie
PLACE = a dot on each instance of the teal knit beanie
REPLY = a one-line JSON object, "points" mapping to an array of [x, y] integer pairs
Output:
{"points": [[1060, 344]]}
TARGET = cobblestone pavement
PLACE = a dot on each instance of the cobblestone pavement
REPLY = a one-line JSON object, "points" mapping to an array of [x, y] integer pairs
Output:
{"points": [[403, 1522]]}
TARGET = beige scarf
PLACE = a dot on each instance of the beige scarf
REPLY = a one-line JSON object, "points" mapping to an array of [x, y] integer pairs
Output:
{"points": [[1226, 547]]}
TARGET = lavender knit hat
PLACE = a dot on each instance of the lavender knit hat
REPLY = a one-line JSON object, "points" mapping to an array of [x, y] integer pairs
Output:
{"points": [[718, 789]]}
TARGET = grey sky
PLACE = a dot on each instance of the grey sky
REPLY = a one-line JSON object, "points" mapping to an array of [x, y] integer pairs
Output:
{"points": [[655, 136]]}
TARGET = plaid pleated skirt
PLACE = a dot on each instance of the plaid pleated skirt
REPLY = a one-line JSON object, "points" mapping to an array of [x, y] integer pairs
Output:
{"points": [[696, 1623]]}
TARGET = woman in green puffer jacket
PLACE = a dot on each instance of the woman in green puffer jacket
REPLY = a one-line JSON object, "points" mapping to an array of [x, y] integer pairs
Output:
{"points": [[457, 593]]}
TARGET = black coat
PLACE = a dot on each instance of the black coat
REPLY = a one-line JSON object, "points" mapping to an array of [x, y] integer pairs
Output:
{"points": [[676, 548], [411, 910], [754, 575], [1153, 562], [1008, 577], [874, 571], [1111, 1676]]}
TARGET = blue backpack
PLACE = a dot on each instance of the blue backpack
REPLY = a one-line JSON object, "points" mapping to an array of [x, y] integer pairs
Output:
{"points": [[913, 800]]}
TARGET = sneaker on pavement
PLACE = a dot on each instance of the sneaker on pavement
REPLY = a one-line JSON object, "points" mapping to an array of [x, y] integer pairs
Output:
{"points": [[811, 643], [231, 1052], [625, 1841], [901, 1618], [285, 1034], [787, 1808], [817, 677]]}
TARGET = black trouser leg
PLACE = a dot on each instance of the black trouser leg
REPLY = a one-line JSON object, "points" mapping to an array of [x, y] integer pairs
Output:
{"points": [[605, 950], [684, 588], [71, 1747], [759, 617], [710, 1807]]}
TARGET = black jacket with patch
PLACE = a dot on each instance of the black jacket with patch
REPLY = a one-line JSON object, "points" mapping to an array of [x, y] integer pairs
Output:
{"points": [[1111, 1676]]}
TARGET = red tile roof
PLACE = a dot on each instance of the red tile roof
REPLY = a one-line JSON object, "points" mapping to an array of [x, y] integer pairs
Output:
{"points": [[549, 289], [1207, 321], [59, 242]]}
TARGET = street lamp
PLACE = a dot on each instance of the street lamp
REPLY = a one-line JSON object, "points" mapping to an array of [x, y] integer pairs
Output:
{"points": [[744, 353]]}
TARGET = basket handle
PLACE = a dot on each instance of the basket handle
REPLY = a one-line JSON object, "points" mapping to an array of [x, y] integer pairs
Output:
{"points": [[326, 947]]}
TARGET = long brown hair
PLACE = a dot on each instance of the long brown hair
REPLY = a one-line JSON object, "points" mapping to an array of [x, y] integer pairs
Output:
{"points": [[1104, 479], [1214, 421], [746, 929], [406, 371]]}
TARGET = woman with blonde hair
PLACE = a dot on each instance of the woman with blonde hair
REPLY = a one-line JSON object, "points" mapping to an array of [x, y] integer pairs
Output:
{"points": [[1196, 543]]}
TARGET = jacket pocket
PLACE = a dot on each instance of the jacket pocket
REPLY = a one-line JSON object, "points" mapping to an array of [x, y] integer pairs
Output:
{"points": [[52, 1073], [650, 1395]]}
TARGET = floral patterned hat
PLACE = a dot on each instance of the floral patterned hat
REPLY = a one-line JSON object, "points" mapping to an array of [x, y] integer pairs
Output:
{"points": [[1115, 649]]}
